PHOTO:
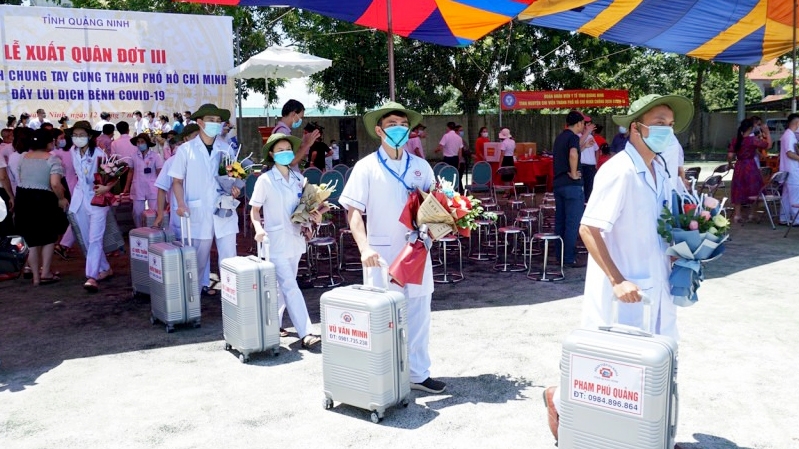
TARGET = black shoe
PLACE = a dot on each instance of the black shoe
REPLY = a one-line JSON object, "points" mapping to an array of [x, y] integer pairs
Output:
{"points": [[575, 264], [61, 251], [430, 385]]}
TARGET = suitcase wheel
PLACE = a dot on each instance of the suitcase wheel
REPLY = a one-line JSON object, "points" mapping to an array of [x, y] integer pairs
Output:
{"points": [[275, 352], [243, 358], [228, 347], [197, 325], [152, 320], [328, 404], [376, 417], [405, 402], [170, 328]]}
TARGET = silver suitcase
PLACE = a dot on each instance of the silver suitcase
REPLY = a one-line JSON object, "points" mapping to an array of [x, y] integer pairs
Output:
{"points": [[174, 282], [112, 239], [140, 240], [148, 217], [249, 305], [618, 388], [365, 347]]}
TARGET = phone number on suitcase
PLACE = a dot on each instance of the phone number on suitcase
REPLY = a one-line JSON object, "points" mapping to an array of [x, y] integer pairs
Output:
{"points": [[613, 402]]}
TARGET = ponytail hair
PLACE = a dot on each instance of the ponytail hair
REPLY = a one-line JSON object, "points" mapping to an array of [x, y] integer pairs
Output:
{"points": [[745, 125]]}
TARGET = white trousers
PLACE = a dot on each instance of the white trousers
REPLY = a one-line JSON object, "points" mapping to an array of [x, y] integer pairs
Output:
{"points": [[419, 337], [68, 239], [91, 222], [138, 211], [225, 247], [289, 295], [790, 198]]}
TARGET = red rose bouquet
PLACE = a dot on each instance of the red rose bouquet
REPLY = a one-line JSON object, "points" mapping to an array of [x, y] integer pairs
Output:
{"points": [[109, 170]]}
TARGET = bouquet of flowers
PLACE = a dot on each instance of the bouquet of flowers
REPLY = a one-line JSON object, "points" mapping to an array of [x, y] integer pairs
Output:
{"points": [[109, 169], [696, 230], [231, 173], [429, 217], [314, 198]]}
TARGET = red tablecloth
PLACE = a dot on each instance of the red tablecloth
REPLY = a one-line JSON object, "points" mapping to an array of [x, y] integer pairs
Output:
{"points": [[528, 172]]}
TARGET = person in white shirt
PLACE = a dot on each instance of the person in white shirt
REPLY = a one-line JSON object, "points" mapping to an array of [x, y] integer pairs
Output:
{"points": [[104, 117], [379, 186], [588, 150], [451, 146], [789, 162], [619, 228], [277, 193], [140, 124], [291, 118], [195, 188], [39, 120], [6, 193], [336, 153]]}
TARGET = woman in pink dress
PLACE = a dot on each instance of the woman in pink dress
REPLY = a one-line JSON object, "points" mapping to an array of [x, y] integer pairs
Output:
{"points": [[746, 178]]}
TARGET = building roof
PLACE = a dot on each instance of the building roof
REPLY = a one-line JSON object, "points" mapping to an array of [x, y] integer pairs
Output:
{"points": [[768, 71]]}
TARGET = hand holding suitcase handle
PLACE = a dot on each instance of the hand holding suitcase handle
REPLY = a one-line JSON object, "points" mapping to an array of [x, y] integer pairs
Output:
{"points": [[367, 279], [263, 248], [645, 331]]}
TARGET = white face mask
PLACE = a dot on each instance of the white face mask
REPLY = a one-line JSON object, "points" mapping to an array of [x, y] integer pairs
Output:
{"points": [[484, 134], [80, 142]]}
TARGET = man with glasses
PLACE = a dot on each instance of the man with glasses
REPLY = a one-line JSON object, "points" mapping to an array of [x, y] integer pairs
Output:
{"points": [[619, 227]]}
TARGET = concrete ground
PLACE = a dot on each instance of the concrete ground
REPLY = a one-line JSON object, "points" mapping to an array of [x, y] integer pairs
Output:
{"points": [[90, 372]]}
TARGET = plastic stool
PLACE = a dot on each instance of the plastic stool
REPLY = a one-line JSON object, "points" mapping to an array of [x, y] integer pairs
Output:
{"points": [[541, 275], [514, 266], [483, 226], [343, 265], [446, 276]]}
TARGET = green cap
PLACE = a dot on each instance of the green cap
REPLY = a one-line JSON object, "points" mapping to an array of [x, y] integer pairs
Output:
{"points": [[371, 118], [681, 106]]}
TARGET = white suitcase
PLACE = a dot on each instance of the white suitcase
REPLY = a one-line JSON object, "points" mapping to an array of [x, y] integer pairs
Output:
{"points": [[365, 347], [249, 304], [140, 241], [618, 388], [174, 281], [149, 215]]}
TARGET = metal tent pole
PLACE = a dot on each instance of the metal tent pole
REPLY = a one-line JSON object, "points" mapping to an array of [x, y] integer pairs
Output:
{"points": [[741, 93], [390, 53]]}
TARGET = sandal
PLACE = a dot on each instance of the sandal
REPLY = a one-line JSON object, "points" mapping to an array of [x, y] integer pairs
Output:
{"points": [[62, 251], [91, 286], [311, 340], [51, 280], [284, 332], [208, 291], [103, 275]]}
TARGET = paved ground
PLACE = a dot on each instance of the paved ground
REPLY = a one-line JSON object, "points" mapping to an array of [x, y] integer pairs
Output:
{"points": [[90, 372]]}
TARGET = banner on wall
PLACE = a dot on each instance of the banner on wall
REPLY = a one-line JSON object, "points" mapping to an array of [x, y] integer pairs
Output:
{"points": [[564, 99], [80, 62]]}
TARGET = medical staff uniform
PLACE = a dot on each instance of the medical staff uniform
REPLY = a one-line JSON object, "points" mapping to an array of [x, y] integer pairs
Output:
{"points": [[278, 197], [142, 189], [90, 219], [164, 182], [379, 186], [625, 206], [198, 170], [790, 194]]}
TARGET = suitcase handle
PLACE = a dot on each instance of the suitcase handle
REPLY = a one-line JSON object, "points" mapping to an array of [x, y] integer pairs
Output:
{"points": [[646, 331], [185, 230], [367, 280], [263, 248], [676, 410], [403, 349]]}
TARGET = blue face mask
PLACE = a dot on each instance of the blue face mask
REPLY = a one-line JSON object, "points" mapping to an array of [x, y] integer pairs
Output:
{"points": [[212, 129], [143, 147], [284, 157], [659, 137], [396, 136], [296, 124]]}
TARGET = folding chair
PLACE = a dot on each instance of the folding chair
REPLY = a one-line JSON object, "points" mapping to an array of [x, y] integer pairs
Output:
{"points": [[450, 173], [507, 175], [336, 179], [313, 174], [771, 195], [341, 168], [692, 173], [711, 185], [438, 167], [481, 178]]}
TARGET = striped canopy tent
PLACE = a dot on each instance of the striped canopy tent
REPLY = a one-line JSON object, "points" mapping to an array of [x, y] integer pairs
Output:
{"points": [[745, 32], [444, 22]]}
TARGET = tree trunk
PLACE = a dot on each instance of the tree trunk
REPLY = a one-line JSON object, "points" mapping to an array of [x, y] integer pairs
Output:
{"points": [[696, 140]]}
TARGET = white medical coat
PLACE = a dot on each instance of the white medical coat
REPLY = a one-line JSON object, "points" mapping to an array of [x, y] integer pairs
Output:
{"points": [[373, 189], [625, 205]]}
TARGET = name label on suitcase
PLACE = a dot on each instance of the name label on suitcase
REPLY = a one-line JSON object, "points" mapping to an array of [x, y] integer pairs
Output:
{"points": [[229, 285], [156, 268], [138, 248], [348, 327], [607, 385]]}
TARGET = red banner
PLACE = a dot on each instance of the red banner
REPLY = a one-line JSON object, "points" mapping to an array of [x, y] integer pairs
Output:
{"points": [[564, 99]]}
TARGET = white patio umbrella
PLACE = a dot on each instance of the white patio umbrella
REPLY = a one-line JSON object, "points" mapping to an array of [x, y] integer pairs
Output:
{"points": [[279, 62]]}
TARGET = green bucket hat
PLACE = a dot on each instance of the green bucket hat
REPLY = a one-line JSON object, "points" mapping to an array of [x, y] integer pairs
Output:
{"points": [[84, 125], [371, 118], [187, 130], [275, 138], [682, 107], [211, 109]]}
